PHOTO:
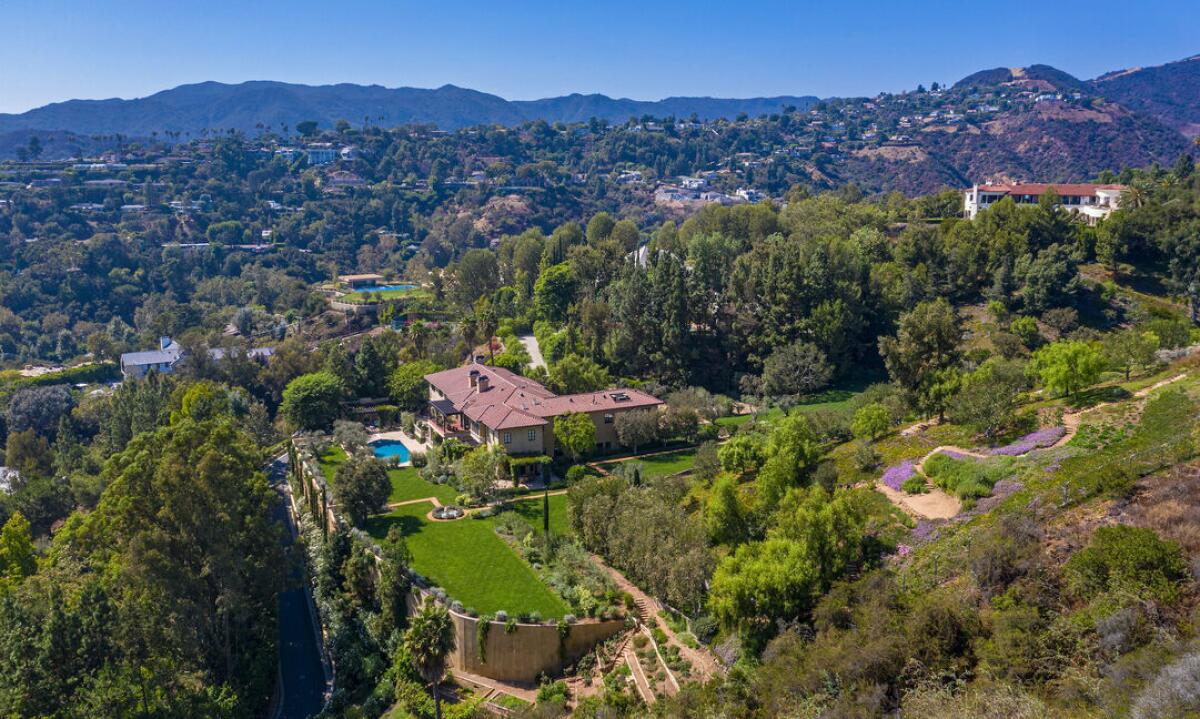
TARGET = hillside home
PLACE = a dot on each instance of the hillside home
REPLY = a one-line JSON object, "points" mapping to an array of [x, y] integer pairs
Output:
{"points": [[493, 406], [136, 365], [1094, 202], [356, 282]]}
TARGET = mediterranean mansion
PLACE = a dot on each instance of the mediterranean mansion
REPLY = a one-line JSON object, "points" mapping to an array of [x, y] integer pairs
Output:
{"points": [[494, 406], [1094, 202]]}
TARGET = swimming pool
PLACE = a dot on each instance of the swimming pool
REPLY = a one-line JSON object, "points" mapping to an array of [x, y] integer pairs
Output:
{"points": [[385, 288], [389, 449]]}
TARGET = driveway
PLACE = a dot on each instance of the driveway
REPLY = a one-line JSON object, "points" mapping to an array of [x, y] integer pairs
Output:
{"points": [[301, 674], [535, 351]]}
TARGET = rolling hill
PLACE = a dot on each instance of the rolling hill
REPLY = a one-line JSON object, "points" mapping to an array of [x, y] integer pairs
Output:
{"points": [[249, 105]]}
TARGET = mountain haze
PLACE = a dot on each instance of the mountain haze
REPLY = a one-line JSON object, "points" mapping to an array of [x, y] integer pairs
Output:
{"points": [[247, 106]]}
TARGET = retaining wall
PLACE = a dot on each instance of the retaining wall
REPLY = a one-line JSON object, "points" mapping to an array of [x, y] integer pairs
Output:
{"points": [[527, 652]]}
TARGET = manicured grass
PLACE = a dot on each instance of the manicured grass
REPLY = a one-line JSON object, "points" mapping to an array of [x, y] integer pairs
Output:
{"points": [[531, 511], [407, 484], [736, 420], [406, 481], [662, 465], [360, 297], [330, 459], [470, 561]]}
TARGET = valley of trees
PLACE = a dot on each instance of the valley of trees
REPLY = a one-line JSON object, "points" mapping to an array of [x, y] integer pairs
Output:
{"points": [[139, 564]]}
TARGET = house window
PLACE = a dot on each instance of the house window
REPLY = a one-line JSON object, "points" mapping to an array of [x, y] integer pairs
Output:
{"points": [[508, 437], [608, 418], [532, 435]]}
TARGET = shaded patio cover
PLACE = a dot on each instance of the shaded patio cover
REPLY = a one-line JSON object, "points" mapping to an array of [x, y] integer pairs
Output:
{"points": [[443, 406]]}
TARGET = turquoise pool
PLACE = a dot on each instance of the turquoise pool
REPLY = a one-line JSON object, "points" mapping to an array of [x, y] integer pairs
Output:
{"points": [[385, 288], [389, 449]]}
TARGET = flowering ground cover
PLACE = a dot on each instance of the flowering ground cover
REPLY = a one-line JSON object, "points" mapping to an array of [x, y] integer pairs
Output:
{"points": [[1034, 440], [895, 475]]}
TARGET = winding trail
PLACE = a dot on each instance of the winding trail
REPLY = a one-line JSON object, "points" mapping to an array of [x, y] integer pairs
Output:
{"points": [[937, 504]]}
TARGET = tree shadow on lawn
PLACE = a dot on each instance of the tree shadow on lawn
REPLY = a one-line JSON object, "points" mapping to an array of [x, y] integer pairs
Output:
{"points": [[379, 525]]}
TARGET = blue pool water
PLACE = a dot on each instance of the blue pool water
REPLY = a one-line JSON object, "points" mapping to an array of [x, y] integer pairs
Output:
{"points": [[387, 449], [384, 288]]}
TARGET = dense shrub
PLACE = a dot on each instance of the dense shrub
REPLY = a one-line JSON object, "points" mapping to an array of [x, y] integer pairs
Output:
{"points": [[1127, 559]]}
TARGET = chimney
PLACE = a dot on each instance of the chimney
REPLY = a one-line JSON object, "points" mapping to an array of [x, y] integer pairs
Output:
{"points": [[474, 377], [483, 383]]}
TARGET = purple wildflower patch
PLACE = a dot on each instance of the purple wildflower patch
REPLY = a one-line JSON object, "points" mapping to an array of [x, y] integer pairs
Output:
{"points": [[895, 475], [954, 454], [923, 531], [903, 550], [1028, 443]]}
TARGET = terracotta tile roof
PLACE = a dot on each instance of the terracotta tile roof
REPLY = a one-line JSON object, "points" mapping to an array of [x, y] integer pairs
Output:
{"points": [[1038, 188], [603, 400], [513, 401], [503, 405]]}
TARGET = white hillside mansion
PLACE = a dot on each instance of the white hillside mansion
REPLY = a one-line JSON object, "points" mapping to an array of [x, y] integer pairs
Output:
{"points": [[1094, 202]]}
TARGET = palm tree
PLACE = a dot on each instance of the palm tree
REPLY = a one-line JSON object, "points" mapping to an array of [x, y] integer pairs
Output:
{"points": [[429, 641]]}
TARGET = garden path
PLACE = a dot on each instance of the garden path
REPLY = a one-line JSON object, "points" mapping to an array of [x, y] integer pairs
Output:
{"points": [[703, 662], [937, 504]]}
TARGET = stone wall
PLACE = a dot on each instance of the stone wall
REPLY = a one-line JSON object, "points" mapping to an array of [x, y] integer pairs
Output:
{"points": [[527, 652]]}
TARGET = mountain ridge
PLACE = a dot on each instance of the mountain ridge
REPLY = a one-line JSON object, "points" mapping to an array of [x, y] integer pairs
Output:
{"points": [[245, 106]]}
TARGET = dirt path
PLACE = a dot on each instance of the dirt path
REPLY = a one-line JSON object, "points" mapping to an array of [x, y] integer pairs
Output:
{"points": [[703, 663], [934, 504], [937, 504]]}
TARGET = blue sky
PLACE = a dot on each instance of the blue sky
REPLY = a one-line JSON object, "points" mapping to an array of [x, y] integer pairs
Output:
{"points": [[53, 50]]}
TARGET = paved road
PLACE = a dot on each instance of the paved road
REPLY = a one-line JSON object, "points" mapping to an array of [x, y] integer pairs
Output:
{"points": [[302, 676], [534, 350]]}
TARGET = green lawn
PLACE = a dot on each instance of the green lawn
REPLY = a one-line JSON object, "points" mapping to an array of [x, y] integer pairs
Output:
{"points": [[662, 465], [360, 297], [735, 420], [531, 510], [471, 562], [406, 481], [407, 484], [330, 459]]}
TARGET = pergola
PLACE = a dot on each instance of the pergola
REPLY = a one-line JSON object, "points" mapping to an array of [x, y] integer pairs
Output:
{"points": [[446, 416]]}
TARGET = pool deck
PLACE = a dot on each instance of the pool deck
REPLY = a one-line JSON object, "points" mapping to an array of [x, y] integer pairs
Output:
{"points": [[399, 436]]}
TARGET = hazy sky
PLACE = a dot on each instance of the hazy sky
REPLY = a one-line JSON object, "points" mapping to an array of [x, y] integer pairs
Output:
{"points": [[53, 50]]}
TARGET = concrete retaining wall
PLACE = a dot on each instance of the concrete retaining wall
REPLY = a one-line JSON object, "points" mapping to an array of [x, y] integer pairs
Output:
{"points": [[526, 653]]}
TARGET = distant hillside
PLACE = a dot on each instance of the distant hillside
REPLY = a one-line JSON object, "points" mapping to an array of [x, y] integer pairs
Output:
{"points": [[1052, 142], [250, 105], [1169, 92], [1038, 77]]}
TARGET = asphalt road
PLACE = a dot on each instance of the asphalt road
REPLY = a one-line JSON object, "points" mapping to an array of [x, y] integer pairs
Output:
{"points": [[301, 674]]}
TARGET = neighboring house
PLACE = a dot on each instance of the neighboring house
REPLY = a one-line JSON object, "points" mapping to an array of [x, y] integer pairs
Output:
{"points": [[356, 282], [136, 365], [494, 406], [1095, 202], [9, 479], [321, 154], [343, 178]]}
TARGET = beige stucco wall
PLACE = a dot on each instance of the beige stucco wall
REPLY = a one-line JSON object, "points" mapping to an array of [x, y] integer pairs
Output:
{"points": [[521, 444], [604, 432]]}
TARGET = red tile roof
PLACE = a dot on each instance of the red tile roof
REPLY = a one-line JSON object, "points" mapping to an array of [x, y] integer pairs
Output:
{"points": [[513, 401], [603, 400], [1039, 188]]}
